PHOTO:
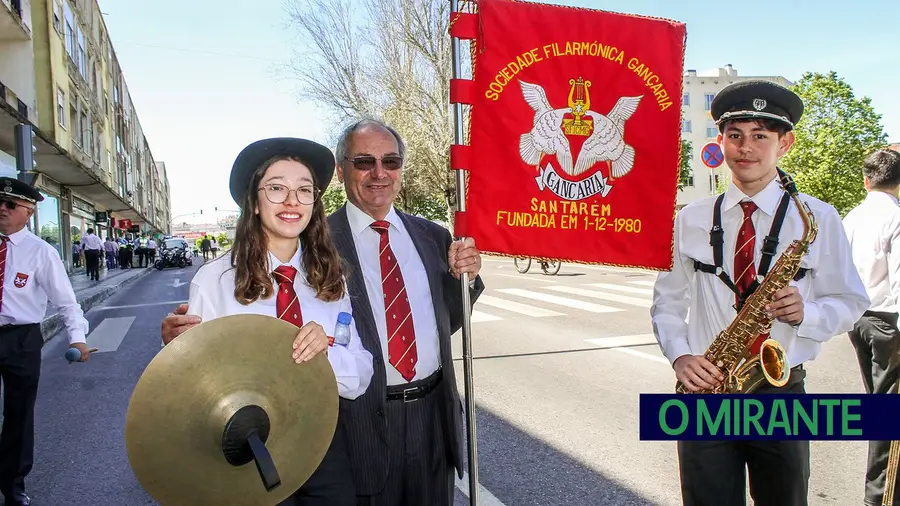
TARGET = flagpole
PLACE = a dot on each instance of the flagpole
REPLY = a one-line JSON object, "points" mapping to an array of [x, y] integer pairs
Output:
{"points": [[459, 138]]}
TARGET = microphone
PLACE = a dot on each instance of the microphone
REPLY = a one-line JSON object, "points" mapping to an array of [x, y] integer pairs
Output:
{"points": [[74, 354]]}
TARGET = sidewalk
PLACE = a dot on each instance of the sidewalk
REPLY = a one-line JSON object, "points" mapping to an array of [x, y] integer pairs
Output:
{"points": [[90, 293]]}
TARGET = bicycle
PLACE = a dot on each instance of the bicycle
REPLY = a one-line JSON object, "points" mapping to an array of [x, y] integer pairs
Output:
{"points": [[550, 268]]}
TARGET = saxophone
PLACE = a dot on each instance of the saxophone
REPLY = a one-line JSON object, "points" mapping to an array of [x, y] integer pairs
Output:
{"points": [[730, 351]]}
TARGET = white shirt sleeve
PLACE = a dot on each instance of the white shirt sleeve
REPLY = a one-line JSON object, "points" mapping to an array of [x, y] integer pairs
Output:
{"points": [[55, 283], [838, 296], [352, 364], [893, 256], [671, 302]]}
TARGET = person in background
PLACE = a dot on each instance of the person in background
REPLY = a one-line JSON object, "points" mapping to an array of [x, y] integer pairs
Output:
{"points": [[111, 249], [151, 251], [93, 249], [31, 275], [213, 246], [873, 228]]}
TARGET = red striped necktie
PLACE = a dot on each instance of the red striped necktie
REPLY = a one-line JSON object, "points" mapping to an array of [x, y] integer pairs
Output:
{"points": [[401, 333], [287, 305], [744, 266]]}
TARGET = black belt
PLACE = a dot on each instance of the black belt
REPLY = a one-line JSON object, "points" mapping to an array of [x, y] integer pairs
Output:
{"points": [[415, 390], [10, 327]]}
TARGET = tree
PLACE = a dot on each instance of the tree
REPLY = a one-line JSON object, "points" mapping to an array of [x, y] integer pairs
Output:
{"points": [[333, 198], [684, 163], [833, 137], [389, 59], [222, 240]]}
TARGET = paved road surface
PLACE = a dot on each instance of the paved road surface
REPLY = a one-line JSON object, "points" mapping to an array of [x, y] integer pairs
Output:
{"points": [[560, 362]]}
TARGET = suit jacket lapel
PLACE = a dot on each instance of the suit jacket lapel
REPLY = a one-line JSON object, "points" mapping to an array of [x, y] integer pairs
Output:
{"points": [[430, 255], [356, 284]]}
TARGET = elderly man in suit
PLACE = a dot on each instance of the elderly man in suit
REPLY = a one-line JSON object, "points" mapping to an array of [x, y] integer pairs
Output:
{"points": [[404, 434]]}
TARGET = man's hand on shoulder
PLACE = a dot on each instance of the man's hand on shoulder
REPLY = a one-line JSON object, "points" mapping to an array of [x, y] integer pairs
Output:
{"points": [[177, 323], [464, 257]]}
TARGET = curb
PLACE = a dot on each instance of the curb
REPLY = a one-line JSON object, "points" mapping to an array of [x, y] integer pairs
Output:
{"points": [[51, 325]]}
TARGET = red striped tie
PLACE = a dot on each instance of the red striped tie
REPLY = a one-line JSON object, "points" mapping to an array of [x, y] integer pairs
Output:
{"points": [[3, 241], [402, 352], [287, 305], [744, 266]]}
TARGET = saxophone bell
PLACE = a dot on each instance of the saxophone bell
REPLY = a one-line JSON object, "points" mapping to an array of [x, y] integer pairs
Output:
{"points": [[769, 366]]}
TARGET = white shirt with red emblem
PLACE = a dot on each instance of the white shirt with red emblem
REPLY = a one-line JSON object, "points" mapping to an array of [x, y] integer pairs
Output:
{"points": [[33, 275]]}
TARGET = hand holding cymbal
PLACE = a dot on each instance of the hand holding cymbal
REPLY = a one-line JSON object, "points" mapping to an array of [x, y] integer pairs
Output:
{"points": [[223, 415]]}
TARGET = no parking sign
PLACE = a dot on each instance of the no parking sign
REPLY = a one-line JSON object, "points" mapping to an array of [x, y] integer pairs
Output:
{"points": [[712, 156]]}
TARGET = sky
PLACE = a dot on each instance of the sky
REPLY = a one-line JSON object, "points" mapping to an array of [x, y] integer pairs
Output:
{"points": [[209, 77]]}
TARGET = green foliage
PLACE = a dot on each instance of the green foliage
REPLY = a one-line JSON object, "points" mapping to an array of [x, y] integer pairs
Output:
{"points": [[837, 131], [222, 240], [333, 198], [684, 163], [432, 207]]}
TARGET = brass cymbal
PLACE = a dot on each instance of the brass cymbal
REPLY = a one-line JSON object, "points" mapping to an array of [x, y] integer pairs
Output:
{"points": [[230, 382]]}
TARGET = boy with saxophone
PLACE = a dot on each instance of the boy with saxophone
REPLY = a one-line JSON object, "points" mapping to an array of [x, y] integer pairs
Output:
{"points": [[723, 248], [873, 228]]}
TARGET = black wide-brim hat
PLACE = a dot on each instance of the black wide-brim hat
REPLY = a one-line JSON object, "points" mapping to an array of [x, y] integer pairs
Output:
{"points": [[317, 157], [12, 187], [757, 99]]}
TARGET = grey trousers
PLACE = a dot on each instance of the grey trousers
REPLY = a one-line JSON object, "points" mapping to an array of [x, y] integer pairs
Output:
{"points": [[877, 342]]}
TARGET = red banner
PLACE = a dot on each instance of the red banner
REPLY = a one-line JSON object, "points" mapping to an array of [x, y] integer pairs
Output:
{"points": [[575, 134]]}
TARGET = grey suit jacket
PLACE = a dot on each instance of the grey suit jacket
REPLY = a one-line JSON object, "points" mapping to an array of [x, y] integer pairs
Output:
{"points": [[362, 419]]}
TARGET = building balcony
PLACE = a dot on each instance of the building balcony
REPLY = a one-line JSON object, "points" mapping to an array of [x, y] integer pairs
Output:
{"points": [[15, 24]]}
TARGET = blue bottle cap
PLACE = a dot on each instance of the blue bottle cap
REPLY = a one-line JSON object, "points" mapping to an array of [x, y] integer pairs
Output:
{"points": [[344, 318]]}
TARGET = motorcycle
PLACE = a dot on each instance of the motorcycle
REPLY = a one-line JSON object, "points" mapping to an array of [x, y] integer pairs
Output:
{"points": [[171, 257]]}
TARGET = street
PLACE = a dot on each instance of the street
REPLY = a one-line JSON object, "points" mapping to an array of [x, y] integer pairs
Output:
{"points": [[560, 361]]}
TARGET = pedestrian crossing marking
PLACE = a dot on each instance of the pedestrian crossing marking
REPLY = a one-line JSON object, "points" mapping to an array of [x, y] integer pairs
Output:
{"points": [[516, 307], [642, 283], [109, 334], [562, 301], [619, 341], [621, 288], [478, 317], [614, 297]]}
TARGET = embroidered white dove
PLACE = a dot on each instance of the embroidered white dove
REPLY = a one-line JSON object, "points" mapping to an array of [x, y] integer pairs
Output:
{"points": [[546, 137], [606, 143]]}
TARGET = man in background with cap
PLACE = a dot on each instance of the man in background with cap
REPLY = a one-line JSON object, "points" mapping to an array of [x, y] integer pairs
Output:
{"points": [[756, 120], [31, 272]]}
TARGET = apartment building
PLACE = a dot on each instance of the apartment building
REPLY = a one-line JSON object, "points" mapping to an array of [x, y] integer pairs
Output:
{"points": [[59, 73], [698, 127]]}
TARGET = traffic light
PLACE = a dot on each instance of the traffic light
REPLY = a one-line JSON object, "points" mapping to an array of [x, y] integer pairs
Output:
{"points": [[25, 153]]}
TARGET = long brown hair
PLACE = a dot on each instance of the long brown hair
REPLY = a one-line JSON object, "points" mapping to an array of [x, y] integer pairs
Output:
{"points": [[250, 253]]}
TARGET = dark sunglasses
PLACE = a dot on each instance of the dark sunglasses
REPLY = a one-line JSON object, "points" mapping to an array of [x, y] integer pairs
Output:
{"points": [[367, 162], [9, 204]]}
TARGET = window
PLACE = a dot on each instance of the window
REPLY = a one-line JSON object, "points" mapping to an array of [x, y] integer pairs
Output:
{"points": [[82, 56], [687, 178], [57, 17], [686, 126], [711, 129], [686, 99], [70, 30], [709, 99], [61, 107], [75, 121]]}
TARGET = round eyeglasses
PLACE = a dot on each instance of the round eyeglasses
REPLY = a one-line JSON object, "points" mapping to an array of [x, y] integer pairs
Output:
{"points": [[279, 193]]}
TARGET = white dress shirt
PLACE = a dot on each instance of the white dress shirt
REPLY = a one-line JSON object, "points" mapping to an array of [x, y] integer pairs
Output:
{"points": [[415, 278], [91, 242], [873, 229], [833, 295], [33, 274], [212, 296]]}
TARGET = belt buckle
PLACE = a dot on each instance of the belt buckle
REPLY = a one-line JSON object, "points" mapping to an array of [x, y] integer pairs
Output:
{"points": [[406, 392]]}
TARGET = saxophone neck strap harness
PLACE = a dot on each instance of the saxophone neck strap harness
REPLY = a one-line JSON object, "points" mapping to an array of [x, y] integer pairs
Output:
{"points": [[770, 245]]}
